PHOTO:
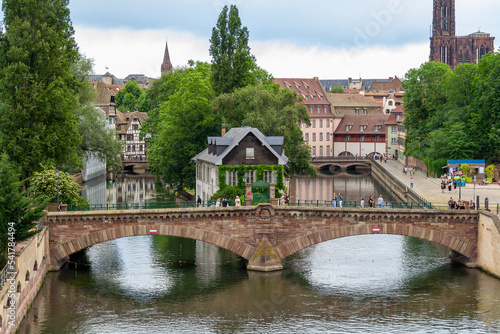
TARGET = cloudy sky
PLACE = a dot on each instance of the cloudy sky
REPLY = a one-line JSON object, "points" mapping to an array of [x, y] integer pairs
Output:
{"points": [[330, 39]]}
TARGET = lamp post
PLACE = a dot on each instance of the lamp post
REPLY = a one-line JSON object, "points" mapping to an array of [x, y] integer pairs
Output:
{"points": [[57, 175]]}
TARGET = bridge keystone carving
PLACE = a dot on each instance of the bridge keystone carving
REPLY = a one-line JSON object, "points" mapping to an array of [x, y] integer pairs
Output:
{"points": [[264, 235]]}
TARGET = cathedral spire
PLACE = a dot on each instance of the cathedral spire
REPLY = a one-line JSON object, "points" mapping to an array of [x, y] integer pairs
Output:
{"points": [[167, 64]]}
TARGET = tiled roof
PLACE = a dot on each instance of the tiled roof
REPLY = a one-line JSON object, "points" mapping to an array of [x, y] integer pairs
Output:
{"points": [[310, 89], [357, 120], [124, 119], [351, 100]]}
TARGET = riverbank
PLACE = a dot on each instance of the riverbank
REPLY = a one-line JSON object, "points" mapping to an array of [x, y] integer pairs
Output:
{"points": [[430, 188]]}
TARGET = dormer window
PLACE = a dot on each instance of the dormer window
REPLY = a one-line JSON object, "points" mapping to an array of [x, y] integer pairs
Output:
{"points": [[356, 111], [377, 127], [364, 111], [362, 128], [348, 127]]}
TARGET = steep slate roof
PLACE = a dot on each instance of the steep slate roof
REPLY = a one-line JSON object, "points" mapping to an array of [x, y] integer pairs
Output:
{"points": [[232, 138], [356, 120], [351, 100], [99, 77]]}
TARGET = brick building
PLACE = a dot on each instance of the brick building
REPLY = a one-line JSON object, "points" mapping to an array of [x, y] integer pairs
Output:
{"points": [[446, 47]]}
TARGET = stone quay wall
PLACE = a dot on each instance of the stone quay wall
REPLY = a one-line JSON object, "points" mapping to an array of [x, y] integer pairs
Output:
{"points": [[488, 258], [20, 289]]}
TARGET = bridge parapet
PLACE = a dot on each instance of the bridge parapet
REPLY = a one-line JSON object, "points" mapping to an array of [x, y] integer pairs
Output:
{"points": [[265, 234]]}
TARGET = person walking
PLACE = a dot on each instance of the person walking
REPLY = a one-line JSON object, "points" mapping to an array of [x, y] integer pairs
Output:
{"points": [[411, 182], [224, 202], [362, 203], [340, 199], [199, 201], [334, 200], [371, 202], [380, 201]]}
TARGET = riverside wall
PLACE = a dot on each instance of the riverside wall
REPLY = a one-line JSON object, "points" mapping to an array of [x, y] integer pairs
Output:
{"points": [[20, 289], [488, 242]]}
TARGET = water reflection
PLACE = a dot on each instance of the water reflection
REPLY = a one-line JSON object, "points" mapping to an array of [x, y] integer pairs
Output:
{"points": [[357, 284], [352, 185]]}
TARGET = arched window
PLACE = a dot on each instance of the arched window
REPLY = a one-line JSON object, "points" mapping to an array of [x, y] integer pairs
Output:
{"points": [[35, 266], [27, 275]]}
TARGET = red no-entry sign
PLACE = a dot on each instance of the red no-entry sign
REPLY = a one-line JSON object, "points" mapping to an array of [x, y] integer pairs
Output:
{"points": [[376, 230], [153, 231]]}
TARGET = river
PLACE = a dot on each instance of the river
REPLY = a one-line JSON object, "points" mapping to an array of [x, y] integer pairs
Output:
{"points": [[359, 284]]}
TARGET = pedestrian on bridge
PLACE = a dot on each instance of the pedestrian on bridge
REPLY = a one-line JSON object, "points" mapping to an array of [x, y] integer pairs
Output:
{"points": [[380, 201], [334, 200], [411, 182], [340, 199]]}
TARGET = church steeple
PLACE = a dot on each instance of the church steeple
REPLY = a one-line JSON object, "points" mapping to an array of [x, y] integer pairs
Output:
{"points": [[167, 64], [443, 22]]}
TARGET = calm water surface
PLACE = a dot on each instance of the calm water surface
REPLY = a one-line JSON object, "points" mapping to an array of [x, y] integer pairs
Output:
{"points": [[360, 284]]}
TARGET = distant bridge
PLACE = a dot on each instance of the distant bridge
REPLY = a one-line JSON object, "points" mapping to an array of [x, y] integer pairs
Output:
{"points": [[341, 163], [264, 235]]}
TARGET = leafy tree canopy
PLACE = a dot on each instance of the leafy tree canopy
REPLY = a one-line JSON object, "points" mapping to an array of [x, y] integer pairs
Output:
{"points": [[46, 184], [453, 114], [130, 98], [338, 90], [275, 113], [184, 122], [38, 91], [17, 209], [233, 66]]}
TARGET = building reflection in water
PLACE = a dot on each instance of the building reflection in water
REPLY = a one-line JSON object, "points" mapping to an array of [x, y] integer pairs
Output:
{"points": [[128, 189], [352, 186]]}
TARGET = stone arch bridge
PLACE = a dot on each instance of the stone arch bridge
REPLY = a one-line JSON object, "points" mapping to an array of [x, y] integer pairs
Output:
{"points": [[264, 235], [344, 163]]}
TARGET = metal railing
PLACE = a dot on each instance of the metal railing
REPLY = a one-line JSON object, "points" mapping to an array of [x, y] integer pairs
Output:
{"points": [[211, 203]]}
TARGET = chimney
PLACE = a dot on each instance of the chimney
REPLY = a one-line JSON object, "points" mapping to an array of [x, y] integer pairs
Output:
{"points": [[223, 132], [316, 79]]}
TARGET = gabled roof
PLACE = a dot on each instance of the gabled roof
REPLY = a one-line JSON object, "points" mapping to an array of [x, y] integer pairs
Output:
{"points": [[304, 87], [356, 120], [232, 138]]}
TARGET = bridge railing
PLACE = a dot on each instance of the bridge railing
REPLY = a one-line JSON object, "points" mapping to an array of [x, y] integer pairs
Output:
{"points": [[344, 158], [193, 204]]}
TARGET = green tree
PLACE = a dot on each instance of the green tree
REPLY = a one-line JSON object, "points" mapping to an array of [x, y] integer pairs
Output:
{"points": [[338, 90], [37, 89], [130, 98], [233, 66], [46, 184], [185, 121], [423, 102], [274, 112], [485, 108], [17, 208]]}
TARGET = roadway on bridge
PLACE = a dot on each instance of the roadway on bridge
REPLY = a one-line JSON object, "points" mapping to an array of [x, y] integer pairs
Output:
{"points": [[430, 188]]}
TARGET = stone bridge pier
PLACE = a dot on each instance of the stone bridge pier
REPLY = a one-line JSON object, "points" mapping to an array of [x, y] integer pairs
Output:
{"points": [[263, 235]]}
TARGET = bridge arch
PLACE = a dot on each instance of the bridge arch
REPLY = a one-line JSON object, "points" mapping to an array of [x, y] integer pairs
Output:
{"points": [[60, 253], [460, 246]]}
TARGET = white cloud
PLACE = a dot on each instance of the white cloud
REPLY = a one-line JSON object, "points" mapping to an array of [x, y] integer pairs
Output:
{"points": [[141, 52]]}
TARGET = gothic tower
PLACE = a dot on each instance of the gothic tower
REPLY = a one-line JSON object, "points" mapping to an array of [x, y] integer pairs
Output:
{"points": [[446, 47], [443, 21], [167, 64]]}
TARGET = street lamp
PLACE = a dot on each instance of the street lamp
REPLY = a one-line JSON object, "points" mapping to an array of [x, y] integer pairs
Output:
{"points": [[57, 175]]}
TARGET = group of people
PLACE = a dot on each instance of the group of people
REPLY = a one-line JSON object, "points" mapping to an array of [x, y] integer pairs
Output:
{"points": [[221, 202], [461, 205], [337, 199], [411, 170], [371, 202]]}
